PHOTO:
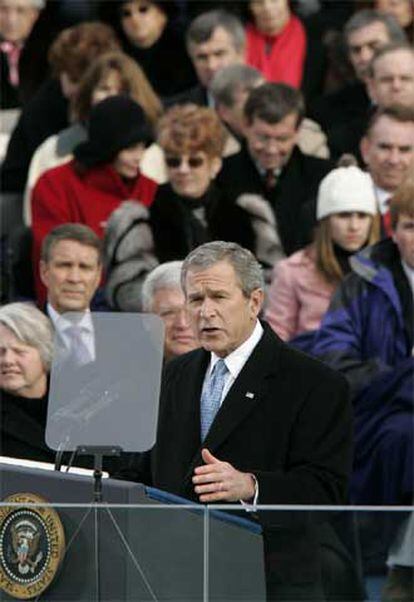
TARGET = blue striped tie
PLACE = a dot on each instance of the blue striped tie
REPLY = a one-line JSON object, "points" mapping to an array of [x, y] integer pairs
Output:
{"points": [[211, 396]]}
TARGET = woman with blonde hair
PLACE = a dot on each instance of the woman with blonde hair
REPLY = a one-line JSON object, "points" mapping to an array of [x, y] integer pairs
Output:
{"points": [[303, 284], [111, 74]]}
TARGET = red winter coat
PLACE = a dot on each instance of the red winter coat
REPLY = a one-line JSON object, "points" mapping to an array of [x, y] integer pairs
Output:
{"points": [[62, 195]]}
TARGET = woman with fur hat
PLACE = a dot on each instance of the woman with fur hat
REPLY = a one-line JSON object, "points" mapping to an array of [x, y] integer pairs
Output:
{"points": [[303, 284], [104, 173]]}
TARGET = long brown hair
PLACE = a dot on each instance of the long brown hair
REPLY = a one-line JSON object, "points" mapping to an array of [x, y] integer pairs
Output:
{"points": [[326, 260], [133, 82]]}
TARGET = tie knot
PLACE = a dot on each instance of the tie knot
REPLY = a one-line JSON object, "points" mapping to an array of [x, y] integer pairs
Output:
{"points": [[74, 331], [220, 369]]}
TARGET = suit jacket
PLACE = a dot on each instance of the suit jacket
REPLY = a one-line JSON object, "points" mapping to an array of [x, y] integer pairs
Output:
{"points": [[294, 434], [293, 199]]}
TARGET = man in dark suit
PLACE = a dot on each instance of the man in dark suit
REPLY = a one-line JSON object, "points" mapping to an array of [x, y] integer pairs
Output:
{"points": [[215, 39], [270, 178], [248, 419]]}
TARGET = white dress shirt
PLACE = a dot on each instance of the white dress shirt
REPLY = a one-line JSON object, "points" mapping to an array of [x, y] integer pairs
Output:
{"points": [[235, 360]]}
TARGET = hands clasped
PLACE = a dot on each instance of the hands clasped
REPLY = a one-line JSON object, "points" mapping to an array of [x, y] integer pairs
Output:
{"points": [[219, 481]]}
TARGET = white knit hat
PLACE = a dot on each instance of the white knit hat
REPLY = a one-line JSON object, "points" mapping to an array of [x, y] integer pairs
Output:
{"points": [[346, 189]]}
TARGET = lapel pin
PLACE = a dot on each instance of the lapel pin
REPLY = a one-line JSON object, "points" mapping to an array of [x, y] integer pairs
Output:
{"points": [[249, 395]]}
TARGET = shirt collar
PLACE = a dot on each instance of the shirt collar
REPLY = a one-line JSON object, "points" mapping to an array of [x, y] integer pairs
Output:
{"points": [[383, 197], [237, 358], [62, 323], [263, 171]]}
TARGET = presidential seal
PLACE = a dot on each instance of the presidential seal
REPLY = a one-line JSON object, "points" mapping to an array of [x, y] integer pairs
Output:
{"points": [[32, 544]]}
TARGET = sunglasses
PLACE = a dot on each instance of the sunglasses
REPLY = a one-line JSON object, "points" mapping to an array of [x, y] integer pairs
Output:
{"points": [[193, 162]]}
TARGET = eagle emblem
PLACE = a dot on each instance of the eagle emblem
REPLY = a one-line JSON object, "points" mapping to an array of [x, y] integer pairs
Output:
{"points": [[25, 542]]}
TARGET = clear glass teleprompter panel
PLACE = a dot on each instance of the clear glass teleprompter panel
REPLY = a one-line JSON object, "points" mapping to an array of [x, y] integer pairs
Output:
{"points": [[105, 383]]}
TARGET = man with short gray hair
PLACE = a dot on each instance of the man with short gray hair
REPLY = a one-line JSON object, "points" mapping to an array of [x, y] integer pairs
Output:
{"points": [[215, 39], [248, 419], [162, 295]]}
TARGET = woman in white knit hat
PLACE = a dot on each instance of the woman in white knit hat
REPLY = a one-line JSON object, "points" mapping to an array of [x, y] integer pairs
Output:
{"points": [[303, 284]]}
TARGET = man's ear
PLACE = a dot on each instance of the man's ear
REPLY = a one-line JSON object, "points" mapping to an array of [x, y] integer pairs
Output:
{"points": [[256, 301], [44, 272]]}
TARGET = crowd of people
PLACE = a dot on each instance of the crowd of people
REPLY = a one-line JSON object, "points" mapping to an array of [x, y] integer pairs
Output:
{"points": [[150, 129]]}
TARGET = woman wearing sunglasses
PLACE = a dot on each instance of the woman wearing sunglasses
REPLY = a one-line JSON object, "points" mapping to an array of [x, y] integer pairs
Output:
{"points": [[186, 212]]}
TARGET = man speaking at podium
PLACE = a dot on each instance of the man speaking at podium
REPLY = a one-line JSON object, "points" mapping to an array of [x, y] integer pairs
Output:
{"points": [[248, 419]]}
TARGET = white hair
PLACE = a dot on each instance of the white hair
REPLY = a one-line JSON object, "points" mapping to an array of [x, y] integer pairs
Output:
{"points": [[166, 275], [30, 326]]}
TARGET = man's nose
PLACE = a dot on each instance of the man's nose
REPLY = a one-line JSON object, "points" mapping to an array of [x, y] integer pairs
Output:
{"points": [[74, 274], [365, 54], [182, 318], [394, 156], [206, 308], [272, 146], [213, 64], [396, 83]]}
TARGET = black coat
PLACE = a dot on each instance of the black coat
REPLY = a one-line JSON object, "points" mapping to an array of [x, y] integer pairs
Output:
{"points": [[293, 432], [176, 231], [293, 199], [23, 424], [342, 106], [166, 63]]}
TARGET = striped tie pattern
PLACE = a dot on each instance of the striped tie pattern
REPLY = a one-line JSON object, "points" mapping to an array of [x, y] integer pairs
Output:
{"points": [[211, 396]]}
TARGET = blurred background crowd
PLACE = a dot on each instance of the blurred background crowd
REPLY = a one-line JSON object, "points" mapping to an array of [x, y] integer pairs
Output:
{"points": [[133, 131]]}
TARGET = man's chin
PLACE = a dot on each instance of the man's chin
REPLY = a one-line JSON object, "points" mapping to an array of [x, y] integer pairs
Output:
{"points": [[75, 306]]}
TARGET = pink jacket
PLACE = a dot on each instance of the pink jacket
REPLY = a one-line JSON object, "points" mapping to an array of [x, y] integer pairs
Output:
{"points": [[298, 295]]}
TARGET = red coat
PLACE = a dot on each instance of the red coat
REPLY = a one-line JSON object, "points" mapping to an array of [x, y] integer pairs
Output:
{"points": [[61, 195]]}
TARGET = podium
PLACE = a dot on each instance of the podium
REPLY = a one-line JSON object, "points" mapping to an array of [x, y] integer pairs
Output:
{"points": [[151, 546]]}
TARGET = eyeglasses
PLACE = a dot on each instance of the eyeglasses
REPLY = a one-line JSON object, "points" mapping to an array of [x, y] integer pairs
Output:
{"points": [[193, 162]]}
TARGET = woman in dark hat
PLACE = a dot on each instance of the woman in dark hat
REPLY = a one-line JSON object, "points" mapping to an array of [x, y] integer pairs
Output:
{"points": [[104, 173]]}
